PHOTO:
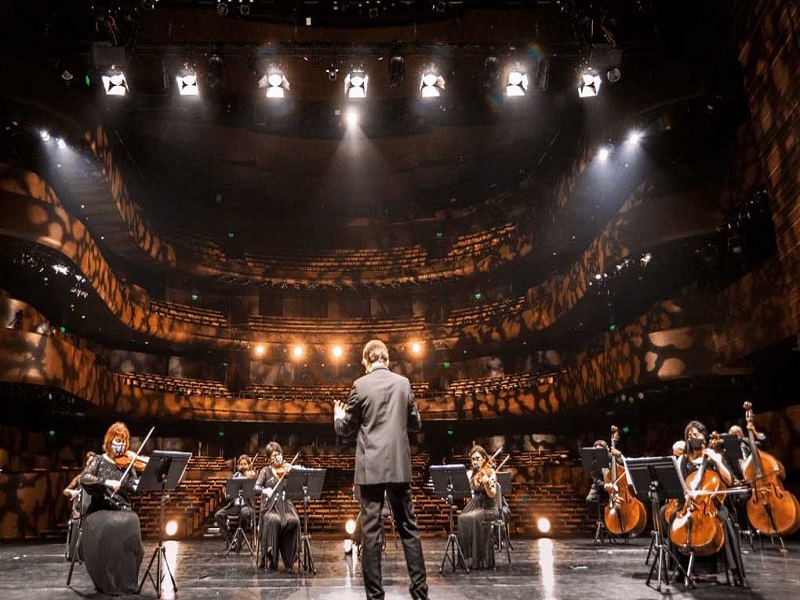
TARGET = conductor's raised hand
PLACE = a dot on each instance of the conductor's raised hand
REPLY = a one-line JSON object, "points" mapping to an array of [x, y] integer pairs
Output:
{"points": [[339, 409]]}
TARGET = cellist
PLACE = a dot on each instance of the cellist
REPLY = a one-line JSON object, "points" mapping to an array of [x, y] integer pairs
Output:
{"points": [[729, 557]]}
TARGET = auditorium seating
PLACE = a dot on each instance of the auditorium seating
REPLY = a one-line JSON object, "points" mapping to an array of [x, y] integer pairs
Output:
{"points": [[191, 314], [311, 393], [484, 312], [340, 260], [481, 242], [177, 385], [487, 385], [342, 326]]}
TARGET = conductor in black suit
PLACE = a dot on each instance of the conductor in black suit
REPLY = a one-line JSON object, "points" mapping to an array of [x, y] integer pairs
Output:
{"points": [[381, 408]]}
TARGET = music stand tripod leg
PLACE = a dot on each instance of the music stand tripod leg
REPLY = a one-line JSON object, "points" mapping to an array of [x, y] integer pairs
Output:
{"points": [[75, 551]]}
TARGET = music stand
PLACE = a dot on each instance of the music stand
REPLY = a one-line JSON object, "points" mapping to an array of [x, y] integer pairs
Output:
{"points": [[450, 481], [594, 460], [242, 489], [306, 484], [164, 472], [661, 478]]}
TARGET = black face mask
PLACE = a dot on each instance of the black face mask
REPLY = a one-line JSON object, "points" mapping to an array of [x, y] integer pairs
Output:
{"points": [[696, 444]]}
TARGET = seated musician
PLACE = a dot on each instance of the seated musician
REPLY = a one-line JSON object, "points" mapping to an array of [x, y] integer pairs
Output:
{"points": [[729, 557], [279, 522], [243, 507], [112, 539], [482, 508], [598, 492]]}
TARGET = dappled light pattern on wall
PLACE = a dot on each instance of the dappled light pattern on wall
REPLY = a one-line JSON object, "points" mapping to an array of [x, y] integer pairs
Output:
{"points": [[25, 183], [147, 239], [770, 59], [32, 502], [753, 313]]}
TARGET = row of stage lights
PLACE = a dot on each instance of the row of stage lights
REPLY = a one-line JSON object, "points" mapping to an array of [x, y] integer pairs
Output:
{"points": [[298, 351], [276, 85]]}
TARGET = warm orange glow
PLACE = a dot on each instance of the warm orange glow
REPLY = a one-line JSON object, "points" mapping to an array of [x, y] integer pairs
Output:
{"points": [[260, 349], [298, 351], [416, 348], [337, 351]]}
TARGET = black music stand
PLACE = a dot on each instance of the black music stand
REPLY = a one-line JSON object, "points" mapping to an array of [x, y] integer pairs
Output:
{"points": [[241, 489], [733, 452], [594, 460], [305, 484], [451, 482], [164, 472], [661, 479]]}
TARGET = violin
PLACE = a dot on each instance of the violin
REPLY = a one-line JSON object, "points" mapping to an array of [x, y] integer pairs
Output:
{"points": [[124, 461], [696, 527], [250, 472], [624, 513], [771, 509]]}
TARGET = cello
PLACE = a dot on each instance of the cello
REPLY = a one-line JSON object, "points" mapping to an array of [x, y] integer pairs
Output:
{"points": [[624, 513], [771, 509], [696, 527]]}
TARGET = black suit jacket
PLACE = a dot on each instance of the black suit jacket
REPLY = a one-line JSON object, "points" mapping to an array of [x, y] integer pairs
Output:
{"points": [[381, 408]]}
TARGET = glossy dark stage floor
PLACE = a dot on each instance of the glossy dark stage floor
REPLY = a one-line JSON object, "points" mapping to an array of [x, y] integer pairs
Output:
{"points": [[540, 569]]}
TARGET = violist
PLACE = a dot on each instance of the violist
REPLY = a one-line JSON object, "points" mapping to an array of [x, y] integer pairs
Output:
{"points": [[279, 522], [482, 508], [243, 507], [112, 540]]}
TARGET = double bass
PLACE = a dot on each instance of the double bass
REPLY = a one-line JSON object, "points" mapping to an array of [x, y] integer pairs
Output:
{"points": [[771, 509], [624, 513], [696, 527]]}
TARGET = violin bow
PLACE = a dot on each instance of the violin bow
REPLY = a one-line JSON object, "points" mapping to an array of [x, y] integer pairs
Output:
{"points": [[137, 454]]}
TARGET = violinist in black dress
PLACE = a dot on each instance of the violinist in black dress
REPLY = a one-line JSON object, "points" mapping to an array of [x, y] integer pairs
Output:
{"points": [[473, 537], [279, 522], [111, 539]]}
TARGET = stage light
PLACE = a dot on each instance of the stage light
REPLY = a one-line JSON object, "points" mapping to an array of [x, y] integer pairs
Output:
{"points": [[416, 348], [275, 83], [61, 143], [187, 84], [260, 350], [298, 351], [355, 84], [517, 83], [337, 351], [222, 8], [431, 85], [244, 7], [45, 135], [613, 74], [347, 546], [350, 527], [171, 528], [543, 524], [491, 72], [634, 137], [603, 153], [114, 83], [589, 85]]}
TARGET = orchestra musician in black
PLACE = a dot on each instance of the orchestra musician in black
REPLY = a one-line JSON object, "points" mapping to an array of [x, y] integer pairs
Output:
{"points": [[241, 507]]}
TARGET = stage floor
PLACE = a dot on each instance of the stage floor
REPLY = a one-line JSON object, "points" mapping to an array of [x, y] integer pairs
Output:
{"points": [[540, 569]]}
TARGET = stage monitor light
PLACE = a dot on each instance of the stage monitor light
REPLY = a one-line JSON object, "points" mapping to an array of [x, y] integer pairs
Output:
{"points": [[244, 7], [355, 84], [589, 85], [543, 524], [431, 85], [171, 528], [114, 83], [187, 84], [517, 83], [613, 74], [275, 83], [61, 143], [350, 527]]}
